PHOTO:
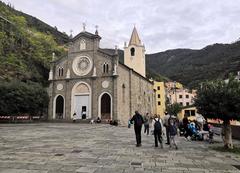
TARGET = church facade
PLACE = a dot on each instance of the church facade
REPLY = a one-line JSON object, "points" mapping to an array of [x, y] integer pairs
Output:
{"points": [[91, 82]]}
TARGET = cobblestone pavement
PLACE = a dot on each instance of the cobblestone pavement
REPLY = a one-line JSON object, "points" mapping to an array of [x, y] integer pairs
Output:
{"points": [[66, 147]]}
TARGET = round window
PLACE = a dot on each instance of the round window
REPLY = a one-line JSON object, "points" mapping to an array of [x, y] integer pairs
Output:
{"points": [[82, 65]]}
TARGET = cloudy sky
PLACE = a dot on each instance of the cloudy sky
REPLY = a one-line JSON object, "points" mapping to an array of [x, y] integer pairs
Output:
{"points": [[161, 24]]}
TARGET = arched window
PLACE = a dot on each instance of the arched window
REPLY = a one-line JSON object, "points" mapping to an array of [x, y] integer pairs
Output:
{"points": [[105, 68], [132, 51], [60, 71], [82, 45]]}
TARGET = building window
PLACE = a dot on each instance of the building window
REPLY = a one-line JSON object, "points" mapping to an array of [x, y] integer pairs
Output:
{"points": [[158, 88], [187, 96], [180, 96], [187, 103], [132, 51], [105, 68], [159, 103], [187, 112], [60, 71], [159, 96], [193, 113], [181, 103], [82, 45]]}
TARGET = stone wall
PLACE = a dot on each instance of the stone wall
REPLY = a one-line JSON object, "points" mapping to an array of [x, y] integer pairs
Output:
{"points": [[123, 95], [138, 94]]}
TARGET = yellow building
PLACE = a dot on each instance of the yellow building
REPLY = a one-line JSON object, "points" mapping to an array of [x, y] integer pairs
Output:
{"points": [[160, 97], [189, 111]]}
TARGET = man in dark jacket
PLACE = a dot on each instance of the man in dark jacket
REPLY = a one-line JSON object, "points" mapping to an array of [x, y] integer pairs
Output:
{"points": [[185, 123], [138, 122]]}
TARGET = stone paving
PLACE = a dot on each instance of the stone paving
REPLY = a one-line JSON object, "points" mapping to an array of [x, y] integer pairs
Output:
{"points": [[84, 148]]}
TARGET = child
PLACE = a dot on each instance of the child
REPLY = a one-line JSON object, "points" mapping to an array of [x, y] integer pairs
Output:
{"points": [[129, 123], [172, 133], [74, 117], [210, 138]]}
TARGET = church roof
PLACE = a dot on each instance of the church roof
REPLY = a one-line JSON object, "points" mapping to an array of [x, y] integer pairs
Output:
{"points": [[134, 38], [86, 34]]}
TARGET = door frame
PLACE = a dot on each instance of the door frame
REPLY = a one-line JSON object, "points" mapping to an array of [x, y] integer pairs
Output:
{"points": [[99, 104], [54, 106], [88, 107], [79, 94]]}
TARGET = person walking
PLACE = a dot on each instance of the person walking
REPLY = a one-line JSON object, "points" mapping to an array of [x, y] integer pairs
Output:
{"points": [[129, 123], [185, 123], [138, 122], [166, 125], [172, 132], [74, 117], [146, 123], [157, 131]]}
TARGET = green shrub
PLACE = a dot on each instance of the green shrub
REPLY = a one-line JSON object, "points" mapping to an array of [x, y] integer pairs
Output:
{"points": [[17, 97]]}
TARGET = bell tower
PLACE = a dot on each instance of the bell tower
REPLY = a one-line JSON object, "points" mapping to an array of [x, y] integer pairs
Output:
{"points": [[134, 54]]}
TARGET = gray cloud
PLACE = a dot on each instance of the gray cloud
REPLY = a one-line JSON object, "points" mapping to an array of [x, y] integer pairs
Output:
{"points": [[162, 24]]}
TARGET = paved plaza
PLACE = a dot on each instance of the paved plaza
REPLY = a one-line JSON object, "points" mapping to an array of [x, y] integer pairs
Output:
{"points": [[84, 148]]}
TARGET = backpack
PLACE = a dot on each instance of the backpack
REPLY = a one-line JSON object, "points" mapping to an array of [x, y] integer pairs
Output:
{"points": [[173, 130], [157, 125], [139, 120]]}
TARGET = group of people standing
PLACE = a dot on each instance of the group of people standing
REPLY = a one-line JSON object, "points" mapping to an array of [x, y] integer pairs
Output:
{"points": [[169, 122]]}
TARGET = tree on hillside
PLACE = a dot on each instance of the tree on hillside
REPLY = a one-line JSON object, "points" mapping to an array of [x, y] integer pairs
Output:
{"points": [[174, 109], [220, 99], [22, 98]]}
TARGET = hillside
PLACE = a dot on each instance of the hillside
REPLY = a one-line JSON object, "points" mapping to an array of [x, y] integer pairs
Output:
{"points": [[26, 46], [33, 22], [191, 67]]}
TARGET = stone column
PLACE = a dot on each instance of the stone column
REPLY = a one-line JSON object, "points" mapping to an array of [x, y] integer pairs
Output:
{"points": [[115, 99]]}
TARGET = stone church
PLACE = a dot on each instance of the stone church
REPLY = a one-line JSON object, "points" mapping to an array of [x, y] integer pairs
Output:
{"points": [[91, 82]]}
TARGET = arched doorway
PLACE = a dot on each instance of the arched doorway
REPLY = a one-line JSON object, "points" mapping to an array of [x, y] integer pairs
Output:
{"points": [[81, 101], [59, 107], [105, 106]]}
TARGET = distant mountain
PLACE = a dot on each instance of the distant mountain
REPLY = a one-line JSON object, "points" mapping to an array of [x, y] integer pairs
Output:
{"points": [[191, 67]]}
